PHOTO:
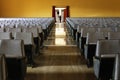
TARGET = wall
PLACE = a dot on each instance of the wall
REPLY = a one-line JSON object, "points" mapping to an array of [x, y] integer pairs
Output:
{"points": [[43, 8]]}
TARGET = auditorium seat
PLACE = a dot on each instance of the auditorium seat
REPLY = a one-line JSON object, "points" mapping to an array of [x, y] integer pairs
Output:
{"points": [[15, 58], [5, 35], [105, 31], [78, 34], [29, 45], [9, 25], [82, 39], [20, 25], [2, 30], [3, 70], [113, 35], [104, 58], [117, 29], [13, 30], [116, 71], [90, 46], [102, 22], [41, 34], [34, 31], [45, 23]]}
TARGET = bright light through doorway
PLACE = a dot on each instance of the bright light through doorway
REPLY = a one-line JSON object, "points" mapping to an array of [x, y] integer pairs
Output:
{"points": [[59, 15], [60, 10]]}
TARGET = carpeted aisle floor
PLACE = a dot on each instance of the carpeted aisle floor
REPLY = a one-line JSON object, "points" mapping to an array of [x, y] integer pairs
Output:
{"points": [[60, 62], [59, 36]]}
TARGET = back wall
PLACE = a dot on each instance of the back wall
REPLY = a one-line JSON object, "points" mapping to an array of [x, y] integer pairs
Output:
{"points": [[43, 8]]}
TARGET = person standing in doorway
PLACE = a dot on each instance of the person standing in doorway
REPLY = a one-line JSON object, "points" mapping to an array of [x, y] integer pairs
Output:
{"points": [[58, 15], [60, 18], [58, 12]]}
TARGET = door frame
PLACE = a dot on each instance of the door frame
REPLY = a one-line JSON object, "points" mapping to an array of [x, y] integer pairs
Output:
{"points": [[66, 13]]}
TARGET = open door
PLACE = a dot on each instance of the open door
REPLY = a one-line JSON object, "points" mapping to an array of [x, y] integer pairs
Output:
{"points": [[53, 12], [67, 11], [63, 13]]}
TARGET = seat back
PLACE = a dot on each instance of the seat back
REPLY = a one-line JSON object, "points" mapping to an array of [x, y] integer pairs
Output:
{"points": [[93, 37], [13, 30], [107, 47], [20, 25], [79, 28], [3, 74], [35, 33], [12, 48], [116, 73], [117, 29], [2, 29], [85, 30], [32, 30], [105, 31], [114, 35], [39, 28], [9, 26], [27, 37], [5, 35]]}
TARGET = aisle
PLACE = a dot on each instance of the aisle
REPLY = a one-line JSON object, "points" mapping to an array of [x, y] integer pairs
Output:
{"points": [[59, 36], [60, 61]]}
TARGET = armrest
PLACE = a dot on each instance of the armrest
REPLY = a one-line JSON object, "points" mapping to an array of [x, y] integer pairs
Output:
{"points": [[97, 57], [108, 56], [90, 44]]}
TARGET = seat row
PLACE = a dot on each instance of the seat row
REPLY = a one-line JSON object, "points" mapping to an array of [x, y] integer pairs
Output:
{"points": [[81, 39], [37, 35], [104, 61], [20, 40], [99, 43], [31, 44], [99, 51], [82, 34], [74, 23], [23, 45], [44, 23], [13, 61]]}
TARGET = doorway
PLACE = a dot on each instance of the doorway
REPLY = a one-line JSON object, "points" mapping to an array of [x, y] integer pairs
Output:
{"points": [[60, 13]]}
